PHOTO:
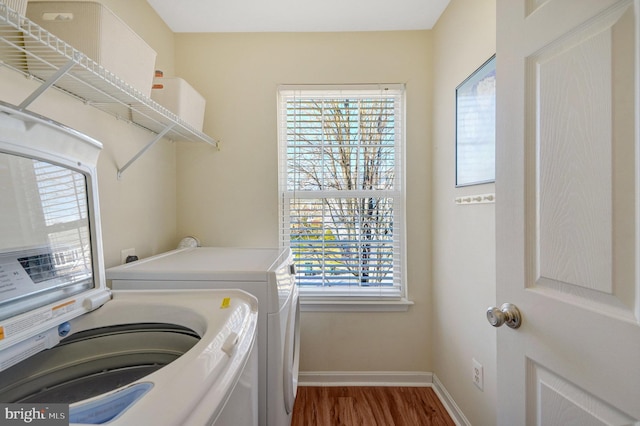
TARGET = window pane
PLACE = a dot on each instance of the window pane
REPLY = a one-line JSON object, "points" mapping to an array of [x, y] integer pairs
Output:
{"points": [[343, 241], [341, 144], [340, 184]]}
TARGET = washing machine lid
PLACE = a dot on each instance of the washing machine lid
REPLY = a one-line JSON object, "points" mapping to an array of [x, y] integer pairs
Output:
{"points": [[232, 264], [51, 263]]}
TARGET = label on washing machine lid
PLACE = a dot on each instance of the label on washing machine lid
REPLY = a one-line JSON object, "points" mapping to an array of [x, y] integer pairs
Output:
{"points": [[15, 326], [29, 271]]}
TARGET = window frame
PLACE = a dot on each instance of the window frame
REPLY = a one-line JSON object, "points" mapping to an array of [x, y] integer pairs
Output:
{"points": [[349, 299]]}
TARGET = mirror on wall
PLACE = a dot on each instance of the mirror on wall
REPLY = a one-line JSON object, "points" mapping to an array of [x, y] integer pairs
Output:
{"points": [[476, 126]]}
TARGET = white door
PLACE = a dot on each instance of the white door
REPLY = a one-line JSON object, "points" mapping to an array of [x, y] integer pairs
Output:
{"points": [[568, 211]]}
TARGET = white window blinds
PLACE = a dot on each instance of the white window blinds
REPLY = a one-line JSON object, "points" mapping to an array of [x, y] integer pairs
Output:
{"points": [[63, 200], [341, 187]]}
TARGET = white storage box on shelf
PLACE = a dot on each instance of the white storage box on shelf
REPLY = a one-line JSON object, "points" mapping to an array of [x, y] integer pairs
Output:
{"points": [[97, 32], [179, 97], [19, 6]]}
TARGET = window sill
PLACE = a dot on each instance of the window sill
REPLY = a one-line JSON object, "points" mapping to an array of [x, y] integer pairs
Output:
{"points": [[308, 304]]}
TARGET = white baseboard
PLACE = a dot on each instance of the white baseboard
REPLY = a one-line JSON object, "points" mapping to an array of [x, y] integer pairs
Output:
{"points": [[385, 378], [369, 378], [449, 404]]}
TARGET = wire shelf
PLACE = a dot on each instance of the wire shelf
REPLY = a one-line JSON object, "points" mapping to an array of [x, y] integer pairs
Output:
{"points": [[31, 50]]}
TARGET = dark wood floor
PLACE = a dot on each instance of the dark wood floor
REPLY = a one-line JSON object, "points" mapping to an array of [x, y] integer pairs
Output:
{"points": [[368, 406]]}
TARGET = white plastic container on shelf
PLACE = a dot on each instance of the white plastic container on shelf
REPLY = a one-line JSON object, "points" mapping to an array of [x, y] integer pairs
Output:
{"points": [[19, 6], [97, 32], [176, 95]]}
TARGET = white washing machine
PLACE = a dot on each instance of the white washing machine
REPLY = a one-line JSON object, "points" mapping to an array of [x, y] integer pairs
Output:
{"points": [[161, 357], [266, 273]]}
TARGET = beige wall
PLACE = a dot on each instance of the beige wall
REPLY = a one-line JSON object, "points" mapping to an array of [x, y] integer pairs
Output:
{"points": [[463, 236], [138, 211], [230, 197]]}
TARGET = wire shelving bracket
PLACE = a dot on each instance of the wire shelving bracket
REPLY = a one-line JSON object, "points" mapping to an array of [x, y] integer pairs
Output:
{"points": [[32, 51]]}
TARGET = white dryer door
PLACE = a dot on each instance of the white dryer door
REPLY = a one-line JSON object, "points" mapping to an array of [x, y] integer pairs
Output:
{"points": [[292, 352]]}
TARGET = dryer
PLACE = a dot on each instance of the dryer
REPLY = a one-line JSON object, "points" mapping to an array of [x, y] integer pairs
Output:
{"points": [[266, 273], [123, 357]]}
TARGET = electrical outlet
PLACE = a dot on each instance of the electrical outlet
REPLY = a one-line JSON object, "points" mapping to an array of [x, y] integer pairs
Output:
{"points": [[125, 253], [477, 374]]}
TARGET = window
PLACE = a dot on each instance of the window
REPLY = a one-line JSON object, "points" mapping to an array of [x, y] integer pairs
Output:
{"points": [[341, 189]]}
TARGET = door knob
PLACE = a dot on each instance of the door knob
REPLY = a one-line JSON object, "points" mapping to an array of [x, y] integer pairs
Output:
{"points": [[506, 314]]}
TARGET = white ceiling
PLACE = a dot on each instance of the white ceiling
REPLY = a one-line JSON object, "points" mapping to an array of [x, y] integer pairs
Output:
{"points": [[298, 15]]}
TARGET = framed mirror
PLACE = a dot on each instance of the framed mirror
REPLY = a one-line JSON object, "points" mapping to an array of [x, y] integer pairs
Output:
{"points": [[476, 126]]}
